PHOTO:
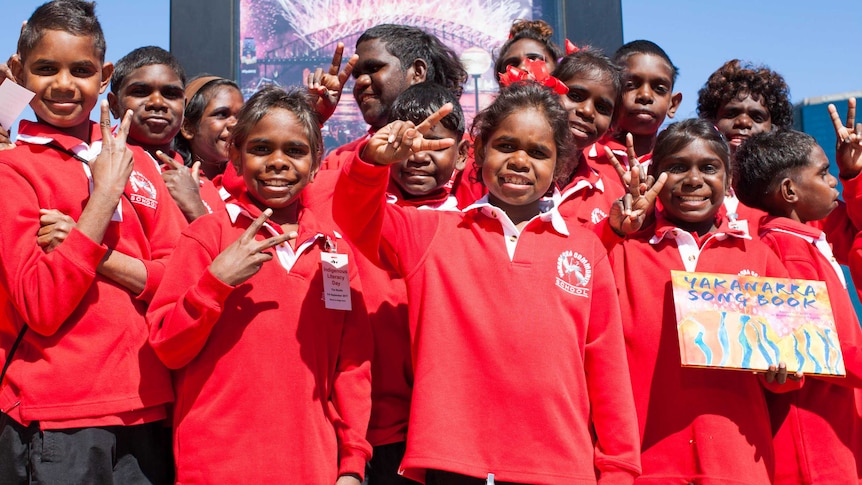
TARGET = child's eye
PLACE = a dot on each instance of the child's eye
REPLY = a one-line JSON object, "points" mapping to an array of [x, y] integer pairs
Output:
{"points": [[661, 89], [678, 168], [605, 109], [535, 57], [540, 154], [576, 96], [710, 169], [258, 149], [296, 152]]}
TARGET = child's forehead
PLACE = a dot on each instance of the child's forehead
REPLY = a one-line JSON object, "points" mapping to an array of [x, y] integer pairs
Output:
{"points": [[153, 74], [52, 43], [649, 62], [376, 49]]}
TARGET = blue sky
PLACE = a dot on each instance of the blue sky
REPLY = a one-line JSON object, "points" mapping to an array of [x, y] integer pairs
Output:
{"points": [[814, 45]]}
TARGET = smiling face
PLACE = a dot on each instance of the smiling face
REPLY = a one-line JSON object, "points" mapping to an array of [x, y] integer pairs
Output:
{"points": [[67, 76], [276, 163], [647, 95], [155, 95], [380, 78], [815, 188], [590, 103], [518, 163], [209, 138], [739, 119], [427, 171], [526, 49], [697, 181]]}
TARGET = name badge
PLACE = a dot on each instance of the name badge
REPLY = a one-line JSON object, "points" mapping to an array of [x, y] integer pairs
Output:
{"points": [[739, 225], [336, 281]]}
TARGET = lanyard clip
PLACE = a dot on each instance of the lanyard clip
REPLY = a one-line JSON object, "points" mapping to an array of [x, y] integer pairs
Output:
{"points": [[329, 245]]}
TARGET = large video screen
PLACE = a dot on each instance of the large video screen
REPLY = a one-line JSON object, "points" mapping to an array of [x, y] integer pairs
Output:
{"points": [[283, 40]]}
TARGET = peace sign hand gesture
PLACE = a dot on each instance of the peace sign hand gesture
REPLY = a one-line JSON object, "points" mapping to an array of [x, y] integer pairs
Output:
{"points": [[245, 256], [848, 144], [396, 141], [327, 87], [629, 213]]}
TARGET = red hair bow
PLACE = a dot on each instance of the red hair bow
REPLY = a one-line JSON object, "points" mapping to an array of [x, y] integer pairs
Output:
{"points": [[534, 70], [571, 48]]}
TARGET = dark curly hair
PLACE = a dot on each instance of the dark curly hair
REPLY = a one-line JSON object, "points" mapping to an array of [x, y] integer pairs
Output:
{"points": [[737, 79], [525, 95], [537, 30]]}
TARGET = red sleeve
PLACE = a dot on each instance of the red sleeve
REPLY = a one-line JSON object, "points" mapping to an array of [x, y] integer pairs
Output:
{"points": [[840, 232], [617, 447], [44, 288], [351, 399], [162, 230], [392, 237], [852, 194], [187, 304]]}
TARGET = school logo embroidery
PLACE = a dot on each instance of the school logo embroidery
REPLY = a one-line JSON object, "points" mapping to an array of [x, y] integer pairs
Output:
{"points": [[597, 215], [574, 272], [145, 191]]}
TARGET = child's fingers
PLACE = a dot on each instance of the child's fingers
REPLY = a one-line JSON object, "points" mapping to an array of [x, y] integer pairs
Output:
{"points": [[105, 119], [169, 161], [276, 241], [345, 73], [257, 224], [430, 145], [336, 59], [125, 126], [652, 194], [630, 149], [840, 130], [435, 118], [621, 171], [851, 113], [196, 172]]}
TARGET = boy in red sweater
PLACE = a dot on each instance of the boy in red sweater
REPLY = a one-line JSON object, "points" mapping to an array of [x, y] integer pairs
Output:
{"points": [[786, 174], [84, 396], [269, 338], [647, 98]]}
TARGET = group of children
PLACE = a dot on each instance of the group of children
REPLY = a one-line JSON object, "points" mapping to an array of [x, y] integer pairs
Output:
{"points": [[211, 300]]}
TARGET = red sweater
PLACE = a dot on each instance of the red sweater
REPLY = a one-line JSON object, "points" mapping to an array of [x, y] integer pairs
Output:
{"points": [[520, 394], [708, 426], [814, 426], [76, 361], [262, 364], [345, 153]]}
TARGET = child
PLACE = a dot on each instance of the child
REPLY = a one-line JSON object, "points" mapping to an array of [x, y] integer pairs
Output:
{"points": [[473, 417], [696, 424], [422, 180], [528, 39], [786, 174], [647, 99], [741, 100], [594, 85], [390, 59], [151, 82], [261, 356], [212, 104], [84, 396]]}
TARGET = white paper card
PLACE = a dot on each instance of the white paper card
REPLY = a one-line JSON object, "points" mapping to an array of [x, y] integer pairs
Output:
{"points": [[336, 281], [13, 100]]}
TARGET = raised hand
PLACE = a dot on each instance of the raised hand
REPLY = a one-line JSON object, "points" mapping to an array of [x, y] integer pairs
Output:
{"points": [[54, 228], [245, 256], [328, 86], [396, 141], [184, 185], [113, 166], [629, 212], [848, 143]]}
